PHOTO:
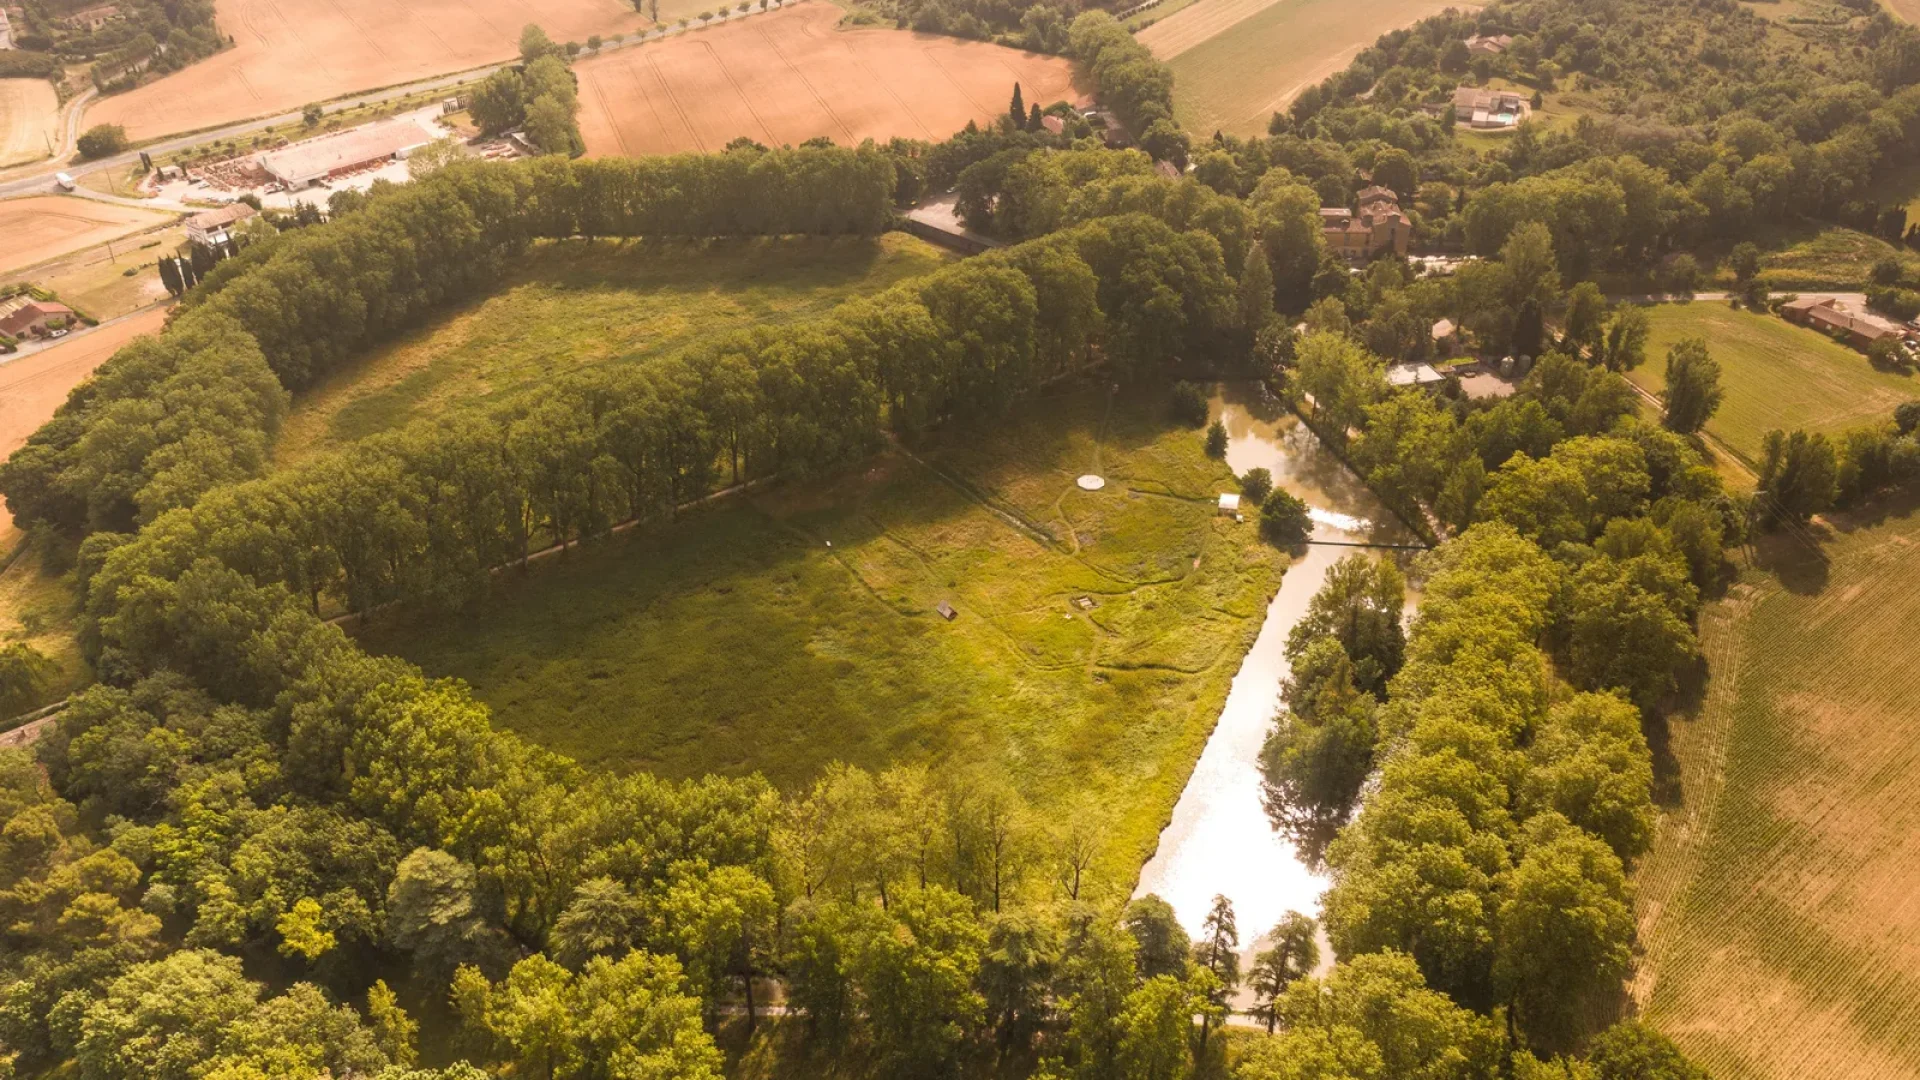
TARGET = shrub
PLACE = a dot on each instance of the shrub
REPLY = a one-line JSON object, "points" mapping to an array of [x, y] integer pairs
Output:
{"points": [[102, 140], [1256, 485], [1283, 519], [1189, 404], [1216, 439]]}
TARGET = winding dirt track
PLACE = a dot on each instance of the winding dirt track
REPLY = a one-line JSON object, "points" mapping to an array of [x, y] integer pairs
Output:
{"points": [[788, 76]]}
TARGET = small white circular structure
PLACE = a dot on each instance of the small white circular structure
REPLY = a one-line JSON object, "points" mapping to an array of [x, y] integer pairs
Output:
{"points": [[1091, 482]]}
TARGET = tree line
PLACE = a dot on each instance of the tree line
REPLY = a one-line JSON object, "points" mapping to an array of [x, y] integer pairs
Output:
{"points": [[170, 418], [424, 514]]}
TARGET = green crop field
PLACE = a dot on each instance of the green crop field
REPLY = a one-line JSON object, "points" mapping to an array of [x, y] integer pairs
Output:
{"points": [[1236, 79], [1774, 374], [573, 304], [1776, 910], [739, 641]]}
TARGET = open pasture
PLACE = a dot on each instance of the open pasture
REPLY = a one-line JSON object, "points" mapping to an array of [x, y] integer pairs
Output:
{"points": [[576, 304], [1777, 909], [42, 227], [1774, 374], [291, 52], [29, 118], [790, 76], [1232, 73], [784, 629]]}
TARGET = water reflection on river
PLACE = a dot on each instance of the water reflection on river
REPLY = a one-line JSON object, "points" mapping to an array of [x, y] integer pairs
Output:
{"points": [[1220, 839]]}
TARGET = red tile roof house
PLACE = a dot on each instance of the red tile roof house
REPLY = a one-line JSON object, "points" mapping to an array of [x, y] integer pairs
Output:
{"points": [[37, 317]]}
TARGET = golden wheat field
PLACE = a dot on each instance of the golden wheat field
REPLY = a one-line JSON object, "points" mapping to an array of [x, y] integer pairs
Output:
{"points": [[1780, 908]]}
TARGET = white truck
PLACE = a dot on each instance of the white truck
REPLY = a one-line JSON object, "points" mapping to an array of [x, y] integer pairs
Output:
{"points": [[63, 181]]}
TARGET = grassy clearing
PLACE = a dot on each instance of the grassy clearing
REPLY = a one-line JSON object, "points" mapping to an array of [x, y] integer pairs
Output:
{"points": [[38, 605], [1774, 374], [1776, 912], [1235, 80], [738, 641], [574, 304], [1829, 258]]}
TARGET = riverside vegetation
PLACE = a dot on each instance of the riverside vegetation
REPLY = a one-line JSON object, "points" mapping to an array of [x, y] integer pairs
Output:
{"points": [[420, 893]]}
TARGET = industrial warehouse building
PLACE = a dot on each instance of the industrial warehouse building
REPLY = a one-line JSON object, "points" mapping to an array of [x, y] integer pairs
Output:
{"points": [[328, 156]]}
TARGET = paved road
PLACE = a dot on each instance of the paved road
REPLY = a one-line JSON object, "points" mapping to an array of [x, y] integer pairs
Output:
{"points": [[41, 179]]}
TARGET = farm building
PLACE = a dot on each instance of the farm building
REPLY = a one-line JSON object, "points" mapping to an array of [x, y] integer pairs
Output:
{"points": [[1827, 316], [314, 160], [215, 227], [1492, 45]]}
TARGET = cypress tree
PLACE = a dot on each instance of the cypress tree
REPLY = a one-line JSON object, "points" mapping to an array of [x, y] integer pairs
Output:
{"points": [[1033, 118], [170, 276], [1017, 110]]}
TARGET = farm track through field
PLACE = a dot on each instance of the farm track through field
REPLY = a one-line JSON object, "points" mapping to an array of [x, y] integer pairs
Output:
{"points": [[1779, 910]]}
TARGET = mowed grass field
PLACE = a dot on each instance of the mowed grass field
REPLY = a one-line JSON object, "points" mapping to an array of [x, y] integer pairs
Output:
{"points": [[738, 641], [291, 52], [29, 114], [790, 75], [1231, 75], [570, 305], [1773, 374], [1780, 908]]}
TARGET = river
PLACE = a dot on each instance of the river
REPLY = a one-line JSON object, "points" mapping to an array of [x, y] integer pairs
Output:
{"points": [[1220, 840]]}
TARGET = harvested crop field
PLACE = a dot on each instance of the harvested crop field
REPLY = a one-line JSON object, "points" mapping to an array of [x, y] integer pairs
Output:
{"points": [[31, 387], [42, 227], [789, 76], [291, 52], [29, 114], [1778, 909], [1237, 61]]}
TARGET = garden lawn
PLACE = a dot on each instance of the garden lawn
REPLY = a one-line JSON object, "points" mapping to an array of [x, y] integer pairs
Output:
{"points": [[1773, 374], [1777, 917], [779, 632], [577, 303]]}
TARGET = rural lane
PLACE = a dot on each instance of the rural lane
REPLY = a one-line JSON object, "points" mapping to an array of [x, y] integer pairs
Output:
{"points": [[41, 181]]}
